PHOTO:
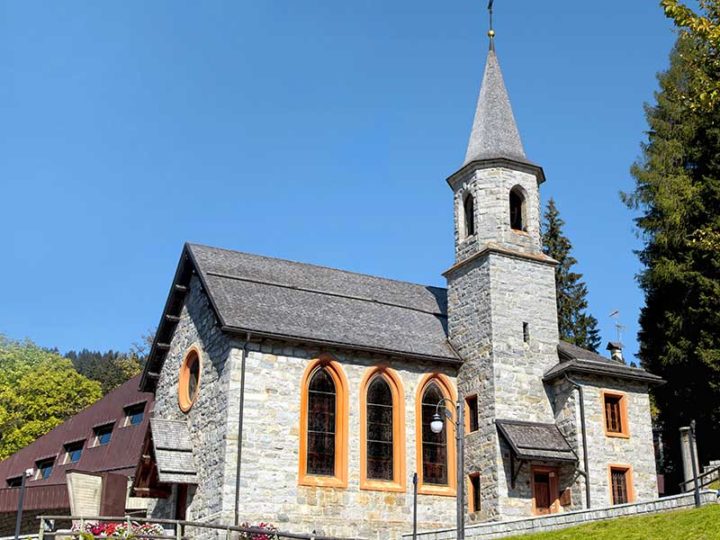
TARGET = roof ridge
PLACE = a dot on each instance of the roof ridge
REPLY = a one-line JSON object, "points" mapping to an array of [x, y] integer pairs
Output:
{"points": [[314, 265], [438, 312]]}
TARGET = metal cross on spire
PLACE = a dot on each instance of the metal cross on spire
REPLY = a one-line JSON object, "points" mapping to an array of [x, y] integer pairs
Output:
{"points": [[491, 32]]}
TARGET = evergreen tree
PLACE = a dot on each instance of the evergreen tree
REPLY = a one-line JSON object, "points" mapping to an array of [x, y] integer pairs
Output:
{"points": [[576, 326], [110, 369], [677, 195]]}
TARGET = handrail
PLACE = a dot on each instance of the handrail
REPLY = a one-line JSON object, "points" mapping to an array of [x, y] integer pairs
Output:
{"points": [[715, 471], [183, 524]]}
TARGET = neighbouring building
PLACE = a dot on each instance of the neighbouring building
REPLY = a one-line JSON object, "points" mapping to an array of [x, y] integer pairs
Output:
{"points": [[303, 395], [82, 467]]}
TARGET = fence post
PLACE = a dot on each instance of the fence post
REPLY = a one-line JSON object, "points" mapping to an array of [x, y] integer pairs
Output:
{"points": [[178, 531], [129, 524], [41, 533]]}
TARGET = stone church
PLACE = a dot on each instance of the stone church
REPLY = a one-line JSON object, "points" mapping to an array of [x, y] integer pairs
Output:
{"points": [[302, 395]]}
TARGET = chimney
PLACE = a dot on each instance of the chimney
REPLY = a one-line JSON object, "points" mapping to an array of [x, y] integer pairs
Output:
{"points": [[615, 348]]}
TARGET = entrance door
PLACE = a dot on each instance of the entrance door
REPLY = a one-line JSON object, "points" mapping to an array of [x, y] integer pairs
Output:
{"points": [[544, 490], [541, 492]]}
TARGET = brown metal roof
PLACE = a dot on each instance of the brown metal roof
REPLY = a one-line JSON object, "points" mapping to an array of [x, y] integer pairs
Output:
{"points": [[120, 455]]}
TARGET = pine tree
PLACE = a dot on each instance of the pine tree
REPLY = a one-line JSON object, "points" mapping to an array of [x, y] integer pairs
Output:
{"points": [[576, 326], [677, 194]]}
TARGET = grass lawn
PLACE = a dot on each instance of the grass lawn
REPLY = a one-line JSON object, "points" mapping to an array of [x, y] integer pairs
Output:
{"points": [[696, 524]]}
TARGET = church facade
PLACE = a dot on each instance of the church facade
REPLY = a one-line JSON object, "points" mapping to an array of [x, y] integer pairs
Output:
{"points": [[303, 396]]}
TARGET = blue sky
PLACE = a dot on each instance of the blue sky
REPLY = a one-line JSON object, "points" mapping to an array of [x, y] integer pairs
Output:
{"points": [[318, 131]]}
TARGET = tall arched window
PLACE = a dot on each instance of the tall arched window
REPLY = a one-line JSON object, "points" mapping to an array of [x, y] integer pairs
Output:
{"points": [[469, 214], [436, 451], [382, 432], [323, 425], [517, 209]]}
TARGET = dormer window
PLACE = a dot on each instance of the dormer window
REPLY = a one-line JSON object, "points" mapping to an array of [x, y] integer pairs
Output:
{"points": [[15, 481], [469, 214], [103, 435], [517, 209], [44, 468], [73, 452], [134, 414]]}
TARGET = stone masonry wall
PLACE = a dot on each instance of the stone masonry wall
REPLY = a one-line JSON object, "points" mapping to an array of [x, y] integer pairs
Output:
{"points": [[489, 299], [491, 191], [470, 328], [637, 450], [207, 418], [269, 486]]}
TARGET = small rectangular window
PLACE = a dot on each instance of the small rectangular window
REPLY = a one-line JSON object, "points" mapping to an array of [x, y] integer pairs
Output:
{"points": [[474, 498], [103, 434], [615, 412], [15, 481], [526, 332], [134, 414], [472, 413], [620, 485], [44, 469], [73, 452]]}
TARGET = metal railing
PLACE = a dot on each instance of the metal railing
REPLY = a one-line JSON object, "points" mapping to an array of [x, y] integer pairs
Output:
{"points": [[704, 479], [175, 529]]}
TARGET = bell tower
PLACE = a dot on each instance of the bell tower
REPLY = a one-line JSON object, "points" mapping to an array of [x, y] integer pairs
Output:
{"points": [[502, 312]]}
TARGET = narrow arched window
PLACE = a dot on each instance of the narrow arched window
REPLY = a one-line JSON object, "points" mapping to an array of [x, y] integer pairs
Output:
{"points": [[379, 430], [436, 451], [323, 425], [382, 426], [469, 214], [322, 398], [517, 209]]}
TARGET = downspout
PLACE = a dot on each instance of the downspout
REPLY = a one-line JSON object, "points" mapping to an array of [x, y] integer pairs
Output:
{"points": [[586, 466], [240, 428]]}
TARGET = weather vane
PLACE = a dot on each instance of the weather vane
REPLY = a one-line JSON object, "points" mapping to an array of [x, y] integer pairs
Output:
{"points": [[491, 32]]}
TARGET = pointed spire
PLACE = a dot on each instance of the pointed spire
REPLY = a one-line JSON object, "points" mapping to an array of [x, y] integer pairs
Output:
{"points": [[494, 132]]}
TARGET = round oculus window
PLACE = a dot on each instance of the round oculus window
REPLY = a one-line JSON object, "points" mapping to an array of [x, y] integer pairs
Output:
{"points": [[189, 386]]}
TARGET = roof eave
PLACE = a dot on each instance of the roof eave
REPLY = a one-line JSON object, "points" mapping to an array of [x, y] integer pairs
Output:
{"points": [[498, 161], [572, 366]]}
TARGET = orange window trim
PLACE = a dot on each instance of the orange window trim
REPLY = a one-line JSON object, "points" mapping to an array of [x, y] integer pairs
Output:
{"points": [[554, 494], [624, 432], [340, 479], [630, 485], [448, 391], [185, 400], [398, 399]]}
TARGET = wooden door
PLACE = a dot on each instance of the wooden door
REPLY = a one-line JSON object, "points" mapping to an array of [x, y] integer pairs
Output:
{"points": [[541, 493]]}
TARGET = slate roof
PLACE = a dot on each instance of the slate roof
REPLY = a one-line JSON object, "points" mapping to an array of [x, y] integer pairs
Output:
{"points": [[494, 133], [574, 359], [536, 441], [173, 451], [275, 298]]}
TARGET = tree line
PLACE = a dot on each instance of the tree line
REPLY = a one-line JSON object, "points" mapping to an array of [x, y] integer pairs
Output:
{"points": [[40, 388]]}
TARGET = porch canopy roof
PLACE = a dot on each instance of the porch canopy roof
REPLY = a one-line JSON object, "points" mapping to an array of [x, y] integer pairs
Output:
{"points": [[534, 441]]}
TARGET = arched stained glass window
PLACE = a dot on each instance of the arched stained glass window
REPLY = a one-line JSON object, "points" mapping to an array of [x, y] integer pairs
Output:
{"points": [[379, 430], [321, 418], [434, 445]]}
